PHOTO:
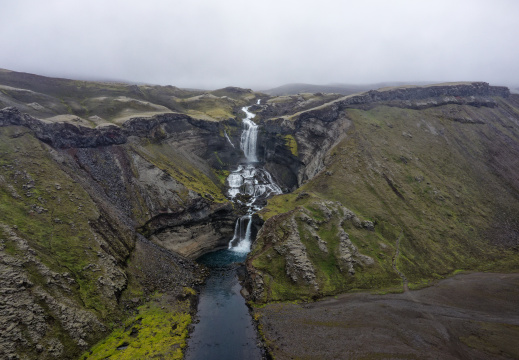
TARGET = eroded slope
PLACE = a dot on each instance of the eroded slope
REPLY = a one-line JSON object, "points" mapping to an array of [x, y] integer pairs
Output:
{"points": [[435, 176]]}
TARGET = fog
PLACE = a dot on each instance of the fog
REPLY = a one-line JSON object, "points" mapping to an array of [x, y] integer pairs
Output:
{"points": [[262, 44]]}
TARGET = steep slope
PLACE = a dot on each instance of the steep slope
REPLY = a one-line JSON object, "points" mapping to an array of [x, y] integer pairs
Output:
{"points": [[73, 264], [411, 185], [394, 187]]}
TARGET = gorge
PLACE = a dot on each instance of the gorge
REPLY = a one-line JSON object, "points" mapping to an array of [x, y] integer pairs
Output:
{"points": [[225, 329], [107, 200]]}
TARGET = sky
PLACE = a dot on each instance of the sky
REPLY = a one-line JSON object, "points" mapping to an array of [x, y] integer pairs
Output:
{"points": [[264, 43]]}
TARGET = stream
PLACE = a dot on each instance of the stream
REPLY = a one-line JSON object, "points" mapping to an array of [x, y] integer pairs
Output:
{"points": [[225, 329]]}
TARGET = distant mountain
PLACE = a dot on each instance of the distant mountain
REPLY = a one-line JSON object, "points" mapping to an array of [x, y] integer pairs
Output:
{"points": [[344, 89]]}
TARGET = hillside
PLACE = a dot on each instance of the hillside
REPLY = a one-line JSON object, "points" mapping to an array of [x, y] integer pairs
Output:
{"points": [[94, 103], [109, 191]]}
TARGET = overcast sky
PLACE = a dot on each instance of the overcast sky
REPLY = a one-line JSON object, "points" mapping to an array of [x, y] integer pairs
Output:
{"points": [[262, 43]]}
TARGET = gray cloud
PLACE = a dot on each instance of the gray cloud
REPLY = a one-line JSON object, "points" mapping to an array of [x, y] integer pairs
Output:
{"points": [[204, 43]]}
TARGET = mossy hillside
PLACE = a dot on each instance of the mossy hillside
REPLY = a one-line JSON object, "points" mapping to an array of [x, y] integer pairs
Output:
{"points": [[310, 99], [183, 169], [238, 94], [117, 102], [222, 175], [422, 174], [219, 104], [331, 276], [50, 211], [208, 107], [64, 229], [157, 330]]}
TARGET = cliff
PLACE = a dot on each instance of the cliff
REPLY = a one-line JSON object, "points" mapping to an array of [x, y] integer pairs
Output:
{"points": [[73, 200], [428, 178], [96, 219]]}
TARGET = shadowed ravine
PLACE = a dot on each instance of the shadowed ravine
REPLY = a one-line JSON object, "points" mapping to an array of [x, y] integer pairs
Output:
{"points": [[225, 329]]}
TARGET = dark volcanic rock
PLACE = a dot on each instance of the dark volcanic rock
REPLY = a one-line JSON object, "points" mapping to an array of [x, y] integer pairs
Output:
{"points": [[64, 135]]}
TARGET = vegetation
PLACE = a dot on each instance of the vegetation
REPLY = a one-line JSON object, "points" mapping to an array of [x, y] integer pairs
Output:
{"points": [[50, 211], [92, 103], [183, 169], [415, 173], [153, 332], [291, 143]]}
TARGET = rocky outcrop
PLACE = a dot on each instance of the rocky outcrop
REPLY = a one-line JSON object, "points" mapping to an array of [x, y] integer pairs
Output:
{"points": [[61, 134], [29, 298], [153, 201], [293, 239], [314, 137], [317, 130], [194, 230], [298, 265], [203, 138], [415, 97]]}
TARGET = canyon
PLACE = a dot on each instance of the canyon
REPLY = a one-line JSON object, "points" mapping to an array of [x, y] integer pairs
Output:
{"points": [[104, 211]]}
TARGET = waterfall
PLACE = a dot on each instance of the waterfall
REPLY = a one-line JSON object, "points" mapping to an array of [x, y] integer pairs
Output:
{"points": [[227, 137], [249, 136], [252, 182], [241, 240]]}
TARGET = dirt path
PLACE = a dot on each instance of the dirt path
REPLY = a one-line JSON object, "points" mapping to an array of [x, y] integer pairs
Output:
{"points": [[472, 316]]}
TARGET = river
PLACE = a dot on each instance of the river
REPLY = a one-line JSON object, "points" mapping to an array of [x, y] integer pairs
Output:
{"points": [[225, 329]]}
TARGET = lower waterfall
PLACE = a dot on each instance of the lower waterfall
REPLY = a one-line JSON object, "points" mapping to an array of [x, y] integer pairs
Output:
{"points": [[225, 329]]}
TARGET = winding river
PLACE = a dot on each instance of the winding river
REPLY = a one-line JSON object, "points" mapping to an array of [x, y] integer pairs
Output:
{"points": [[225, 329]]}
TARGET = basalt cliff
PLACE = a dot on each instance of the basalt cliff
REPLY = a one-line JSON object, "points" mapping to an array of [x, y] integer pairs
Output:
{"points": [[109, 192]]}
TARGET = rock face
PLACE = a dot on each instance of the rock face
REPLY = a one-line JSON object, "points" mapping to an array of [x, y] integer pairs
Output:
{"points": [[433, 170], [295, 239], [63, 135], [191, 135], [27, 305], [194, 230], [89, 194], [81, 199], [317, 130]]}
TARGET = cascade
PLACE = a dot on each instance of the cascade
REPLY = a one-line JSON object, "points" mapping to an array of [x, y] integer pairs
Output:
{"points": [[225, 329], [252, 182]]}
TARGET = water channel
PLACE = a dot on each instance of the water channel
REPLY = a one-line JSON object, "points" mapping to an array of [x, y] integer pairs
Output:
{"points": [[225, 329]]}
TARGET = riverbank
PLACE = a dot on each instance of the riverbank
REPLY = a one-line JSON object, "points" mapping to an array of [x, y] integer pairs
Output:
{"points": [[468, 316]]}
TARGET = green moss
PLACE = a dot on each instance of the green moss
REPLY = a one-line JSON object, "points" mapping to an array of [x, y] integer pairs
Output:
{"points": [[291, 143], [218, 158], [436, 186], [182, 169], [189, 291], [152, 333], [54, 222], [222, 175]]}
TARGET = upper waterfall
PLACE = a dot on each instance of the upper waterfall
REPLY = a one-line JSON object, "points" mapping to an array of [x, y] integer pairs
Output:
{"points": [[249, 136]]}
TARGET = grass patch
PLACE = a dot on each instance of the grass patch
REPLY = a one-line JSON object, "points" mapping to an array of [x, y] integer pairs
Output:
{"points": [[54, 222], [184, 170], [291, 143], [152, 333]]}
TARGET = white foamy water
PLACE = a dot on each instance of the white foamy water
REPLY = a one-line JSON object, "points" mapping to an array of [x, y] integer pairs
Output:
{"points": [[249, 136], [253, 182], [227, 137], [241, 240]]}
